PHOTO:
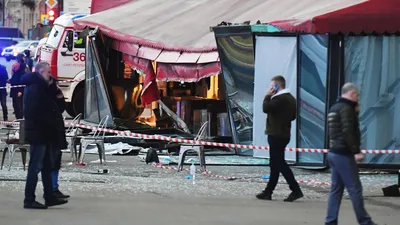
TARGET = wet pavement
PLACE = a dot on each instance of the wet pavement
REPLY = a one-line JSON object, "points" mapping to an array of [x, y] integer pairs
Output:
{"points": [[134, 192]]}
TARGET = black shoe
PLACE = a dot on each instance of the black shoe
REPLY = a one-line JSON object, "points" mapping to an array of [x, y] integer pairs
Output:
{"points": [[55, 202], [294, 196], [264, 196], [34, 205], [59, 194]]}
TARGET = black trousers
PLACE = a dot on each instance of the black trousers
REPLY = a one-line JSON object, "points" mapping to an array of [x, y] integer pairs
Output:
{"points": [[3, 102], [40, 162], [18, 107], [279, 165]]}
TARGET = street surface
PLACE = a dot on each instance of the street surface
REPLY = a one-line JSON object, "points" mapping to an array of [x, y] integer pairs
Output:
{"points": [[136, 193]]}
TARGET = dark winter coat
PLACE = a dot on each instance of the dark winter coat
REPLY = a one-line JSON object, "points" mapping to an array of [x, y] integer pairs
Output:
{"points": [[344, 130], [44, 123], [3, 79], [19, 70], [281, 111], [29, 63]]}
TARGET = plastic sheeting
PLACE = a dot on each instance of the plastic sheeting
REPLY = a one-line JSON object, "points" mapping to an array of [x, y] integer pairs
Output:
{"points": [[274, 56], [371, 62], [111, 149]]}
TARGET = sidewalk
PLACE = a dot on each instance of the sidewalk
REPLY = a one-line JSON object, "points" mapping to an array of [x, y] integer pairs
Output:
{"points": [[152, 209], [136, 193]]}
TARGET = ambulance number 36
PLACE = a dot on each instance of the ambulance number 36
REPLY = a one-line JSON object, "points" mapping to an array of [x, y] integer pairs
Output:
{"points": [[79, 56]]}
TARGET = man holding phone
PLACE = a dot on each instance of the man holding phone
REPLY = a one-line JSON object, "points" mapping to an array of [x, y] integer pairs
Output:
{"points": [[280, 107], [344, 142]]}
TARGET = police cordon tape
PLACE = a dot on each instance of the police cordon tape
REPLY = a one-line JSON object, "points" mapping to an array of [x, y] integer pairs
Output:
{"points": [[233, 178], [60, 81], [205, 143], [158, 165]]}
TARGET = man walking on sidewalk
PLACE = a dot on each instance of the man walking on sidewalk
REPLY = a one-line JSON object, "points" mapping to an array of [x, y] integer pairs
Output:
{"points": [[344, 141], [280, 107], [41, 119]]}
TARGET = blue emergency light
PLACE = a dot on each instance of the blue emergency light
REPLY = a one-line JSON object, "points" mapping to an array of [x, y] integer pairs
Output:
{"points": [[78, 16]]}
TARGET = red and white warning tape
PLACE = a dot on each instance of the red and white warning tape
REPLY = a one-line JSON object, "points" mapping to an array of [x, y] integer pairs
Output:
{"points": [[231, 178], [61, 81], [206, 143], [216, 144]]}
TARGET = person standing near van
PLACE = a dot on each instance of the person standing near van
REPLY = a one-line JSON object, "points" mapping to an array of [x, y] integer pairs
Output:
{"points": [[28, 60], [18, 70], [344, 142], [280, 107], [42, 116]]}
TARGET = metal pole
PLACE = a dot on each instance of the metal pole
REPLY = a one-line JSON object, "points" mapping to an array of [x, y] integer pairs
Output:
{"points": [[4, 13]]}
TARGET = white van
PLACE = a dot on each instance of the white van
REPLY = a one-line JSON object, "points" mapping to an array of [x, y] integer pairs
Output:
{"points": [[67, 60]]}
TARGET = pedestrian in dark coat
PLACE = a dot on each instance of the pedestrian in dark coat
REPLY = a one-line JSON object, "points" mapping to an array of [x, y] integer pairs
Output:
{"points": [[344, 143], [28, 60], [3, 91], [18, 70], [280, 106], [42, 119]]}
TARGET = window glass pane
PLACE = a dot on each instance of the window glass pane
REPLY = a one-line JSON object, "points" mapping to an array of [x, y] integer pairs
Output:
{"points": [[55, 36], [312, 95], [371, 62], [96, 100], [79, 42], [66, 39], [237, 61]]}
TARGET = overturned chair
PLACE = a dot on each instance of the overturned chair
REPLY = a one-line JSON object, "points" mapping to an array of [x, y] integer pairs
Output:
{"points": [[96, 139], [199, 149], [14, 144]]}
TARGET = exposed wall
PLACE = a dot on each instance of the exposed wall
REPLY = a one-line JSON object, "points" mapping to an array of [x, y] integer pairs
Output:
{"points": [[17, 15]]}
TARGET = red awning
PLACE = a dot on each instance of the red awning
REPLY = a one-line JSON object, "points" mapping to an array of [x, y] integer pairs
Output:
{"points": [[370, 16], [186, 72], [150, 90], [168, 72], [101, 5]]}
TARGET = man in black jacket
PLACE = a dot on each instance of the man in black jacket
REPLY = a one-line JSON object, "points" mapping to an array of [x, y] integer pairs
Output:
{"points": [[3, 91], [41, 120], [17, 93], [344, 141], [280, 107], [28, 59]]}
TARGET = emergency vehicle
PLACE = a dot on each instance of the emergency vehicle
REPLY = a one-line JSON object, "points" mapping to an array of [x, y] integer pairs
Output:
{"points": [[65, 51]]}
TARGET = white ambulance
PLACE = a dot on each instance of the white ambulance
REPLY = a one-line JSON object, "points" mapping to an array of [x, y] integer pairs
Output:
{"points": [[67, 60]]}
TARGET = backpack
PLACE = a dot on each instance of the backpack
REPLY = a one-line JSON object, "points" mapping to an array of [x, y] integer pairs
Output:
{"points": [[152, 156]]}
